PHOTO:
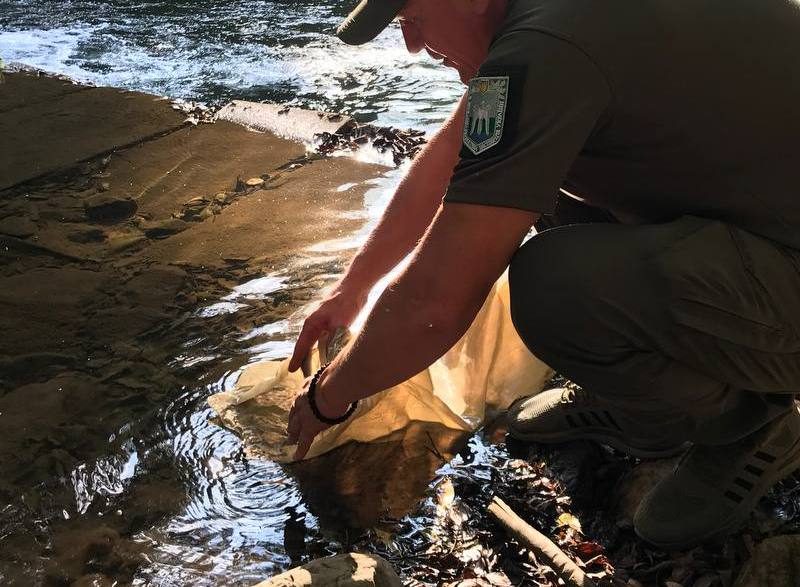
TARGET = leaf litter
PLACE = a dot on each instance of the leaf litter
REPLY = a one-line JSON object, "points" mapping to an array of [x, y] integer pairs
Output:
{"points": [[569, 493]]}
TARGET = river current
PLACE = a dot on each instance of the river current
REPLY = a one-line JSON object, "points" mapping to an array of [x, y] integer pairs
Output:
{"points": [[214, 51]]}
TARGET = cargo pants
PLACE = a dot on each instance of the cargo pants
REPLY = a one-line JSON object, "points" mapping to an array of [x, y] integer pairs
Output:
{"points": [[691, 325]]}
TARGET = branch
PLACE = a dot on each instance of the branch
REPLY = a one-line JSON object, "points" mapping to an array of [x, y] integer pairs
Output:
{"points": [[527, 536]]}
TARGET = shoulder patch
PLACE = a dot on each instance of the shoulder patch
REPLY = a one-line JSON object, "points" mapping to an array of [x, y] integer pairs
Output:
{"points": [[487, 98]]}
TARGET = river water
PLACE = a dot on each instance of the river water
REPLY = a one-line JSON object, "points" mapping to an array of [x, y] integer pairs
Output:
{"points": [[213, 51], [227, 515]]}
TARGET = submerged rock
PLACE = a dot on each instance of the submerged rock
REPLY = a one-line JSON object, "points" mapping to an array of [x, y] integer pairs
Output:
{"points": [[344, 570]]}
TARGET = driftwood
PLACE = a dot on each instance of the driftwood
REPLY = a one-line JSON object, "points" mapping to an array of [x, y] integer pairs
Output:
{"points": [[539, 544]]}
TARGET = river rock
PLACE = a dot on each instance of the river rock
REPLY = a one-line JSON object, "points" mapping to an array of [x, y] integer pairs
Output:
{"points": [[636, 484], [344, 570], [17, 226], [103, 207], [254, 182], [163, 228], [775, 563]]}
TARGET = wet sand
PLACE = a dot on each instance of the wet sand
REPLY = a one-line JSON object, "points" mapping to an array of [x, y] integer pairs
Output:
{"points": [[119, 222]]}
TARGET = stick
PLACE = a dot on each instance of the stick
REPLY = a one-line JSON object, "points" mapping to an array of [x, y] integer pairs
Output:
{"points": [[527, 536]]}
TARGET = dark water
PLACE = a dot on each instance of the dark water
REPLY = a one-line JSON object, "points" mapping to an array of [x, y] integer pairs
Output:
{"points": [[213, 51], [199, 510]]}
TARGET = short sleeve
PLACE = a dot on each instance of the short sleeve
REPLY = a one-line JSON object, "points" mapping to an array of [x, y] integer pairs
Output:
{"points": [[532, 107]]}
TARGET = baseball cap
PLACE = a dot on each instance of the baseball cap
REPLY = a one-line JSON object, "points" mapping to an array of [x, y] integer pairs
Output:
{"points": [[367, 20]]}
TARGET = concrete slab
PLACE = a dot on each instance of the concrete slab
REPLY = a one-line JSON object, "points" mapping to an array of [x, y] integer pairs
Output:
{"points": [[55, 134], [296, 124]]}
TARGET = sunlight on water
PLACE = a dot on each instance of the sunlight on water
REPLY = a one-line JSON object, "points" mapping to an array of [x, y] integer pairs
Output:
{"points": [[214, 52]]}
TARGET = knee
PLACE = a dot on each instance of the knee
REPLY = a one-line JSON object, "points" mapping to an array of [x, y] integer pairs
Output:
{"points": [[540, 280], [573, 281]]}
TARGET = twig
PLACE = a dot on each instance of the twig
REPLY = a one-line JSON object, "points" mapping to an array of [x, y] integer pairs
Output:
{"points": [[565, 568]]}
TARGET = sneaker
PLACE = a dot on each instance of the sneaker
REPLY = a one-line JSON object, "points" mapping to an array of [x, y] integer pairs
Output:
{"points": [[713, 489], [565, 414]]}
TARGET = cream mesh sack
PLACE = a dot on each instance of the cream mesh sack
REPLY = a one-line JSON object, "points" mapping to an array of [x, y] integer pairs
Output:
{"points": [[480, 376]]}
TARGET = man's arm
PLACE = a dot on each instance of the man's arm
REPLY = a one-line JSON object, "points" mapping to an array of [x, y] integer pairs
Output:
{"points": [[401, 226], [424, 312], [413, 206]]}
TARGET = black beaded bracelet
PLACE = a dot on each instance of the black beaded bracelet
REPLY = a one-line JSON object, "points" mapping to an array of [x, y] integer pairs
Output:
{"points": [[312, 401]]}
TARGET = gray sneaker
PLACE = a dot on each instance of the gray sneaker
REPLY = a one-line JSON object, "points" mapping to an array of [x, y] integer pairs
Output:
{"points": [[565, 414], [712, 490]]}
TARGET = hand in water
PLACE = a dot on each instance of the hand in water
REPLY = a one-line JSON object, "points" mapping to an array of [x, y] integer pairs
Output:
{"points": [[339, 309], [304, 425]]}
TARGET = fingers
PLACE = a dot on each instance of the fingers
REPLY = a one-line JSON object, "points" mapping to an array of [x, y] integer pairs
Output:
{"points": [[308, 336], [293, 429], [303, 445]]}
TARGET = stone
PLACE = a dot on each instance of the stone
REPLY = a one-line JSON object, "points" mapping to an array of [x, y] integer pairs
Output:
{"points": [[254, 182], [197, 202], [103, 207], [775, 563], [48, 135], [17, 226], [163, 228], [344, 570], [221, 198], [637, 483]]}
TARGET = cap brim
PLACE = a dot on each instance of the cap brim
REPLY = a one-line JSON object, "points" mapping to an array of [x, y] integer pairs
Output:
{"points": [[368, 19]]}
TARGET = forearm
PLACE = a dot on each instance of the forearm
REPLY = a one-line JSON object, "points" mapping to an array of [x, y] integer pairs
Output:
{"points": [[404, 334], [411, 209], [430, 305]]}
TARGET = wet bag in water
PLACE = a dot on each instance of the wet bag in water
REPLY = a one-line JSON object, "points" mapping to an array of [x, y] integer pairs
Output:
{"points": [[481, 375]]}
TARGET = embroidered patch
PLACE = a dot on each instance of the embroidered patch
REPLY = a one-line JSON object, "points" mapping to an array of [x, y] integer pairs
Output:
{"points": [[486, 113]]}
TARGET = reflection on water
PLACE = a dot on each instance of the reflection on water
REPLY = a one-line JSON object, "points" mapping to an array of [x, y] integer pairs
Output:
{"points": [[214, 51], [199, 509]]}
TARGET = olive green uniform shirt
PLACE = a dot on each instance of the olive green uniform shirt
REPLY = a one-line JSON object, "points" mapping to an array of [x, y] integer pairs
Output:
{"points": [[653, 109]]}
